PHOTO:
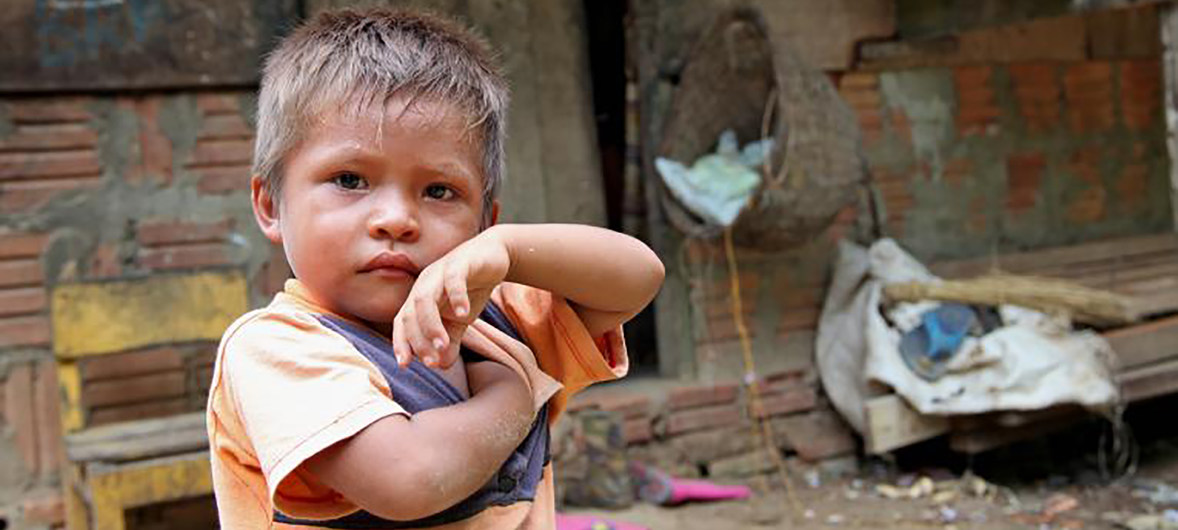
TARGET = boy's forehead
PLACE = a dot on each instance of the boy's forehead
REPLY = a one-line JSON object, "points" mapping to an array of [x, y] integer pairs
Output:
{"points": [[406, 112]]}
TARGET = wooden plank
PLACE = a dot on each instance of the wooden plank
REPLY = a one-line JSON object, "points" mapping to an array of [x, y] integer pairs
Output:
{"points": [[155, 445], [53, 45], [1023, 262], [1145, 343], [1149, 381], [892, 423], [152, 481], [105, 317]]}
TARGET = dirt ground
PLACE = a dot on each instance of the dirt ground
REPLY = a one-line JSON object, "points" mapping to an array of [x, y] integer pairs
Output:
{"points": [[1051, 482]]}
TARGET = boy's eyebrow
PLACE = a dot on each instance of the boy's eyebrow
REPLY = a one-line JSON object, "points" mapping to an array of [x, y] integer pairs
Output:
{"points": [[448, 168]]}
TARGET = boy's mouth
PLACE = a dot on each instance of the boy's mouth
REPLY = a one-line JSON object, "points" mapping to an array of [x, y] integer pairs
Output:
{"points": [[389, 263]]}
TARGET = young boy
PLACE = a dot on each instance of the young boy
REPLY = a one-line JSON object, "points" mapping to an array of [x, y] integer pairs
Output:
{"points": [[408, 376]]}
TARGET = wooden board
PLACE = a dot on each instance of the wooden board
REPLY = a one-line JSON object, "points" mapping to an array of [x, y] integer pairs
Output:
{"points": [[1145, 343], [892, 423], [54, 45], [1149, 381]]}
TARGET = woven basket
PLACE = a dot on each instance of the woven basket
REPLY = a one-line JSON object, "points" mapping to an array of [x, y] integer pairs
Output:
{"points": [[736, 78]]}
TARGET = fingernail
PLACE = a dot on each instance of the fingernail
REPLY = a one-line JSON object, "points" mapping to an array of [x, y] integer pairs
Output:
{"points": [[461, 311], [431, 361], [439, 344]]}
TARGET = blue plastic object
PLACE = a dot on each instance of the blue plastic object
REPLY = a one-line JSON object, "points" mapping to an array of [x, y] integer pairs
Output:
{"points": [[928, 347]]}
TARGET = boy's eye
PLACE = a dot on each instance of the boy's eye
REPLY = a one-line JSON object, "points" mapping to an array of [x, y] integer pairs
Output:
{"points": [[439, 192], [349, 181]]}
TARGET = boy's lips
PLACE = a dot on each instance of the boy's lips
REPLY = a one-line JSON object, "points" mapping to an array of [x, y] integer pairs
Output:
{"points": [[391, 263]]}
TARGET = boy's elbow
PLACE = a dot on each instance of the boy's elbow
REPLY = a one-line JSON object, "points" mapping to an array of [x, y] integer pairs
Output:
{"points": [[653, 273], [409, 494]]}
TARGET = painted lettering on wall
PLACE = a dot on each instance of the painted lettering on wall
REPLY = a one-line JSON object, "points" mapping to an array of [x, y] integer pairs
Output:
{"points": [[75, 31]]}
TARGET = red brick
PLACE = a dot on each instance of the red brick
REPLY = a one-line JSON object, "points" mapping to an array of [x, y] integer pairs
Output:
{"points": [[858, 80], [222, 152], [222, 180], [140, 411], [273, 274], [224, 126], [184, 257], [24, 331], [797, 399], [1133, 185], [637, 431], [26, 196], [43, 509], [818, 435], [630, 406], [689, 397], [158, 232], [217, 103], [21, 245], [862, 99], [155, 148], [50, 137], [22, 301], [1089, 206], [1024, 176], [105, 262], [957, 170], [19, 411], [138, 362], [49, 437], [50, 110], [18, 273], [127, 390], [79, 162], [972, 76], [702, 418]]}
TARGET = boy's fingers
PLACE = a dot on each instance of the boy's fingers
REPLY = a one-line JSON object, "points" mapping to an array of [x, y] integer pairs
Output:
{"points": [[400, 345], [456, 293], [418, 343], [455, 330], [433, 331]]}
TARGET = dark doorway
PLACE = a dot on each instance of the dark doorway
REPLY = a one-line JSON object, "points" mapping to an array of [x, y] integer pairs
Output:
{"points": [[606, 22]]}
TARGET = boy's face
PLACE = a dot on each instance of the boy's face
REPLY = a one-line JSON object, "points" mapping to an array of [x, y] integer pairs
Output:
{"points": [[369, 201]]}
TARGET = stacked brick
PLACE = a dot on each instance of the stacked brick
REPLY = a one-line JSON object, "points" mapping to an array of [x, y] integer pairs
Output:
{"points": [[81, 184], [715, 430]]}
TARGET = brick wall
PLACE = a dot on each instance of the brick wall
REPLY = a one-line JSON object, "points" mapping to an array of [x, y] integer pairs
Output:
{"points": [[692, 430], [970, 159], [96, 188]]}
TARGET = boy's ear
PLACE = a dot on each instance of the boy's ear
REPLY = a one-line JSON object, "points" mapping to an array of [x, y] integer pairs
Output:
{"points": [[265, 209], [494, 212]]}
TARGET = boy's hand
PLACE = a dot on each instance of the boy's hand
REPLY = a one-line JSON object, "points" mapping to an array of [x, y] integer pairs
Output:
{"points": [[447, 296]]}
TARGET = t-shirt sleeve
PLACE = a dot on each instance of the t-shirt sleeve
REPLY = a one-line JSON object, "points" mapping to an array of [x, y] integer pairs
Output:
{"points": [[562, 344], [299, 388]]}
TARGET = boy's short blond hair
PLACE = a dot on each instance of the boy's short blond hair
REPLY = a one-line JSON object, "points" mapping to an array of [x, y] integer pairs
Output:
{"points": [[344, 61]]}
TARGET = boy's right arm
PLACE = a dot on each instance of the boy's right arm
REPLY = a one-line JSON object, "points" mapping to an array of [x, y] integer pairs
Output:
{"points": [[409, 467]]}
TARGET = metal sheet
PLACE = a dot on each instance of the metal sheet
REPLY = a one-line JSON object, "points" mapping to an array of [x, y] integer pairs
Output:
{"points": [[81, 45]]}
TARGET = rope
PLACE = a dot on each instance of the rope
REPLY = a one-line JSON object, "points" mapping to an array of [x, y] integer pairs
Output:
{"points": [[750, 379]]}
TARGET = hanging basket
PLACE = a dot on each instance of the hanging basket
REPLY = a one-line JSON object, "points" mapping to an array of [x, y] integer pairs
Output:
{"points": [[736, 78]]}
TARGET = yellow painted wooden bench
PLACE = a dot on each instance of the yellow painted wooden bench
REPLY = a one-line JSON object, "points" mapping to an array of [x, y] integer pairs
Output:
{"points": [[110, 468]]}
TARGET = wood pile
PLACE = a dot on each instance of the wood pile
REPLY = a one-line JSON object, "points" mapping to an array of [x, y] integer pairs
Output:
{"points": [[1144, 269]]}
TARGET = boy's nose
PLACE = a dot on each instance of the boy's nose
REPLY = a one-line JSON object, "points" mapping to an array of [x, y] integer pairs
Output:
{"points": [[393, 220]]}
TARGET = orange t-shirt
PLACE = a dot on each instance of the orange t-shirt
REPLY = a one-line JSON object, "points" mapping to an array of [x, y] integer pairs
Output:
{"points": [[287, 386]]}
